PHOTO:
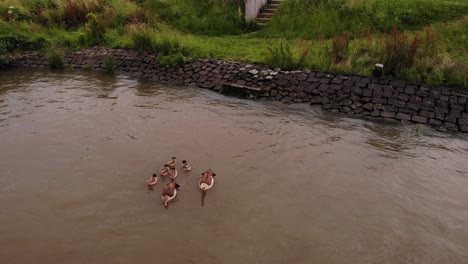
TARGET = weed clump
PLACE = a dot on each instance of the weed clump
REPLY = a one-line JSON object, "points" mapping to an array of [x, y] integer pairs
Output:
{"points": [[283, 57], [75, 12], [400, 52], [171, 52], [339, 47], [143, 37], [95, 33], [3, 55], [55, 59], [109, 65]]}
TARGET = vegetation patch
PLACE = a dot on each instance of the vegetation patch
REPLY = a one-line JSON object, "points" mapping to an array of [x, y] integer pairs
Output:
{"points": [[109, 66], [417, 40], [55, 59], [3, 55]]}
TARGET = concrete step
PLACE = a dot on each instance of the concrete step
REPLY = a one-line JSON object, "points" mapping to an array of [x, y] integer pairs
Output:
{"points": [[263, 19], [263, 15], [269, 11]]}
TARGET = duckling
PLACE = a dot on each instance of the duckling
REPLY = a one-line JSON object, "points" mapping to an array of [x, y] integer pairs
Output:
{"points": [[153, 180], [186, 166], [173, 173], [172, 162], [164, 170]]}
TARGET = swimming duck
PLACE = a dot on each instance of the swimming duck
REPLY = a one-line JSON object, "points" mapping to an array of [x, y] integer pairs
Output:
{"points": [[186, 166], [164, 170], [207, 180], [172, 162], [173, 173], [152, 181], [169, 193]]}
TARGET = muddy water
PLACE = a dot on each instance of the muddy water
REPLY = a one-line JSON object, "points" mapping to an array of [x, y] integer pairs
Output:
{"points": [[294, 184]]}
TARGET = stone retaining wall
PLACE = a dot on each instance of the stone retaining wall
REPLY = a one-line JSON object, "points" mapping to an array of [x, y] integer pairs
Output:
{"points": [[347, 94]]}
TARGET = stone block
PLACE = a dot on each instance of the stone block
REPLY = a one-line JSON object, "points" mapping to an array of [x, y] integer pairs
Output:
{"points": [[463, 121], [454, 113], [316, 100], [441, 110], [387, 114], [462, 100], [397, 83], [419, 119], [403, 97], [449, 125], [323, 87], [388, 108], [410, 90], [434, 122], [402, 116], [367, 93]]}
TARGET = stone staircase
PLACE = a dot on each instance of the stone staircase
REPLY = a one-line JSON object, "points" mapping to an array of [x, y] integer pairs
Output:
{"points": [[267, 12]]}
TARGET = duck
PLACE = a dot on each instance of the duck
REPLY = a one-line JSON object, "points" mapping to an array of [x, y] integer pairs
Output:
{"points": [[186, 166], [172, 162], [207, 180], [164, 170], [169, 193], [152, 181], [173, 173]]}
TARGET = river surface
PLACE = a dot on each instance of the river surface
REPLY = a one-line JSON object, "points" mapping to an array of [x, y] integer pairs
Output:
{"points": [[294, 184]]}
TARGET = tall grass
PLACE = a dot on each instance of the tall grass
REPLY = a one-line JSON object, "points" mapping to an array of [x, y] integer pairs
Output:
{"points": [[335, 35], [95, 33], [211, 17], [328, 18], [143, 37], [3, 55], [55, 59]]}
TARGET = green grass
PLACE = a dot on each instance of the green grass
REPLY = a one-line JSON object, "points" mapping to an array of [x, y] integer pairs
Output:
{"points": [[327, 18], [304, 33]]}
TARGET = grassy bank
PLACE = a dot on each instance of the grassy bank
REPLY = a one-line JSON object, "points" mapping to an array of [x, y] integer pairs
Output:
{"points": [[419, 40]]}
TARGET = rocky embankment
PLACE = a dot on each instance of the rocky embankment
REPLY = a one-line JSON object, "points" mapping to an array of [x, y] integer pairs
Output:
{"points": [[347, 94]]}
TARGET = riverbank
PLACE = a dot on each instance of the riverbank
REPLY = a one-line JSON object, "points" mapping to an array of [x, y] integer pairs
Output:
{"points": [[416, 40], [352, 95]]}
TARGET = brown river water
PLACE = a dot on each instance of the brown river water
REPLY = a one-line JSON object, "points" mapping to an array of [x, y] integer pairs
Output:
{"points": [[294, 184]]}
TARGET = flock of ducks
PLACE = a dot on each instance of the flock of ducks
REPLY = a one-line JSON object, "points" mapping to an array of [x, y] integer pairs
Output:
{"points": [[169, 193]]}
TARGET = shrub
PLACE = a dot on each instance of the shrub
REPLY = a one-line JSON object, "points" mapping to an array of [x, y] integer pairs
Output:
{"points": [[75, 11], [3, 55], [169, 45], [38, 43], [171, 52], [281, 56], [400, 52], [339, 47], [95, 33], [109, 65], [14, 41], [171, 60], [143, 37], [55, 59], [214, 17]]}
